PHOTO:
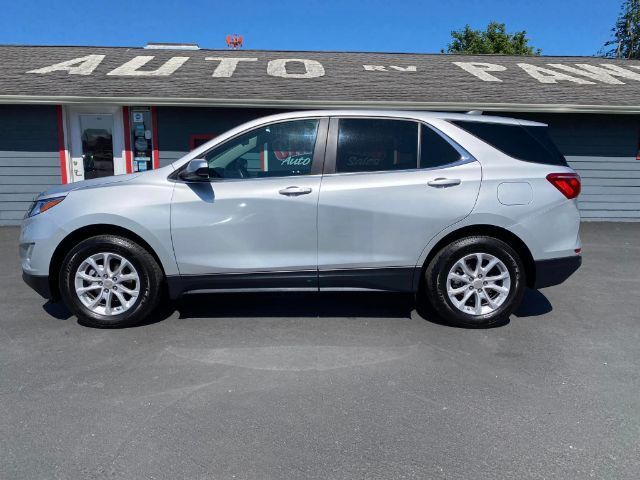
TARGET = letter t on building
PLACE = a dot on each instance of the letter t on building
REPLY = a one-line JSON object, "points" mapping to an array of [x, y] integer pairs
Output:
{"points": [[227, 65]]}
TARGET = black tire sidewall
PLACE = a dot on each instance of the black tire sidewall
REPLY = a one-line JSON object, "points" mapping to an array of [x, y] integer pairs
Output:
{"points": [[133, 253], [436, 280]]}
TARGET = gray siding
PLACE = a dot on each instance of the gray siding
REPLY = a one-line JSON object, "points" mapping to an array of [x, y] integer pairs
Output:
{"points": [[29, 161], [602, 149]]}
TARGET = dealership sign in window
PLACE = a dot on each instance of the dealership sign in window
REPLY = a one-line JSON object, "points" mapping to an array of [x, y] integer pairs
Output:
{"points": [[141, 139]]}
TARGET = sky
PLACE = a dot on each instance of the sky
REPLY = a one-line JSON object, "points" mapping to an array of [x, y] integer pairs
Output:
{"points": [[558, 27]]}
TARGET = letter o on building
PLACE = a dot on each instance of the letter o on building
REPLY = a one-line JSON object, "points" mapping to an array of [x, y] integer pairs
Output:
{"points": [[278, 68]]}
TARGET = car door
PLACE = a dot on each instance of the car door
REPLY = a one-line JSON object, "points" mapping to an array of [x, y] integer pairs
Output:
{"points": [[390, 185], [256, 220]]}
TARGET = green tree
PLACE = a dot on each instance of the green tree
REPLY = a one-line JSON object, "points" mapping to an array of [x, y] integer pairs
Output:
{"points": [[494, 39], [626, 33]]}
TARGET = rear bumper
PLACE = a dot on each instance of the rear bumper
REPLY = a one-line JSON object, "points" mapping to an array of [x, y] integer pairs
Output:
{"points": [[555, 271], [40, 283]]}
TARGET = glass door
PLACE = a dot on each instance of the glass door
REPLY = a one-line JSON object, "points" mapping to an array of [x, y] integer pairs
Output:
{"points": [[96, 142], [96, 134]]}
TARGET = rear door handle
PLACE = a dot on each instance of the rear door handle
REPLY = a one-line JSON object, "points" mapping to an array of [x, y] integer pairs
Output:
{"points": [[295, 191], [444, 182]]}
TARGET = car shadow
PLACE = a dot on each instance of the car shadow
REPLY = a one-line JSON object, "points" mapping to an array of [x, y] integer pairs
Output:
{"points": [[308, 304], [57, 310], [534, 304], [295, 304]]}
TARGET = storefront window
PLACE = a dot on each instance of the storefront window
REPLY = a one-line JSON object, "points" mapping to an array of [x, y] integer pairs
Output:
{"points": [[141, 138]]}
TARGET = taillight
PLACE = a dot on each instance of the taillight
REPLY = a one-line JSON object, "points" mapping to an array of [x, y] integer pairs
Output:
{"points": [[567, 183]]}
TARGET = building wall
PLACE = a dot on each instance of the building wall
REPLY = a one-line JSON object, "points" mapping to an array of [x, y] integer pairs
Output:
{"points": [[29, 161], [603, 150], [176, 125]]}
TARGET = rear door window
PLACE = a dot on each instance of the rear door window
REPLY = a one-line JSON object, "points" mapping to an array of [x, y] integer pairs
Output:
{"points": [[371, 145], [524, 142]]}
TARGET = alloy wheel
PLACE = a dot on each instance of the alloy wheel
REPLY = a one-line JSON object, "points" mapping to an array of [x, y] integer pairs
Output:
{"points": [[478, 284], [107, 283]]}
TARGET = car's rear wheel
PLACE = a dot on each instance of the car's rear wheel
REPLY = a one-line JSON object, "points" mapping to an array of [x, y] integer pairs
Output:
{"points": [[109, 281], [475, 281]]}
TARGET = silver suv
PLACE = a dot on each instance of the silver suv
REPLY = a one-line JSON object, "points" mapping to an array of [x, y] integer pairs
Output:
{"points": [[465, 209]]}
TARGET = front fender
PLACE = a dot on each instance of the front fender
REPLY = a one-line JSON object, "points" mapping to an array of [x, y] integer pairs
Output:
{"points": [[157, 236], [143, 209]]}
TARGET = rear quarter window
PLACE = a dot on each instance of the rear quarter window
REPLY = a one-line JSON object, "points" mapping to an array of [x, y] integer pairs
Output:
{"points": [[527, 143], [435, 151]]}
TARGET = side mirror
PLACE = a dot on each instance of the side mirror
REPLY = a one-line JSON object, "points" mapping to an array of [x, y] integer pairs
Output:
{"points": [[197, 170]]}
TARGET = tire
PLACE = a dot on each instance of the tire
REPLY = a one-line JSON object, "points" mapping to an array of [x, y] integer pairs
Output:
{"points": [[132, 297], [488, 287]]}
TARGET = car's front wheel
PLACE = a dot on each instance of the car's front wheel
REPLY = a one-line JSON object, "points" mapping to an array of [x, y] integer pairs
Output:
{"points": [[476, 281], [110, 281]]}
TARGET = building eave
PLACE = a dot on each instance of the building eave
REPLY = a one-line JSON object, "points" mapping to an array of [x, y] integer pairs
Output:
{"points": [[319, 104]]}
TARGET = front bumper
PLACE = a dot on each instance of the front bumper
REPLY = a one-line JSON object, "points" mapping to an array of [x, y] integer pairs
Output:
{"points": [[555, 271], [40, 283]]}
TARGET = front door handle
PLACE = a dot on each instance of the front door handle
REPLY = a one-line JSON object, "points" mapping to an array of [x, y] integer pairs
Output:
{"points": [[295, 191], [444, 182]]}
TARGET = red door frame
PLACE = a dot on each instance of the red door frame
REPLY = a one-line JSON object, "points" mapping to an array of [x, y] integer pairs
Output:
{"points": [[127, 139], [128, 154], [62, 149]]}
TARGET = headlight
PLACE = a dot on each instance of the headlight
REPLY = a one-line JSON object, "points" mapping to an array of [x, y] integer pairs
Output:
{"points": [[40, 206]]}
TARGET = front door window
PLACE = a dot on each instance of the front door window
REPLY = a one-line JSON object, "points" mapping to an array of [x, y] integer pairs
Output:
{"points": [[277, 150]]}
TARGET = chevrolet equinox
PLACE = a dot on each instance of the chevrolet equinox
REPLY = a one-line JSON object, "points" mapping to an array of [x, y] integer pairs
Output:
{"points": [[465, 209]]}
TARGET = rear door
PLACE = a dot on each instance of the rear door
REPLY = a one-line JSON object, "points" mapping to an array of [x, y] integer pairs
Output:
{"points": [[389, 186]]}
